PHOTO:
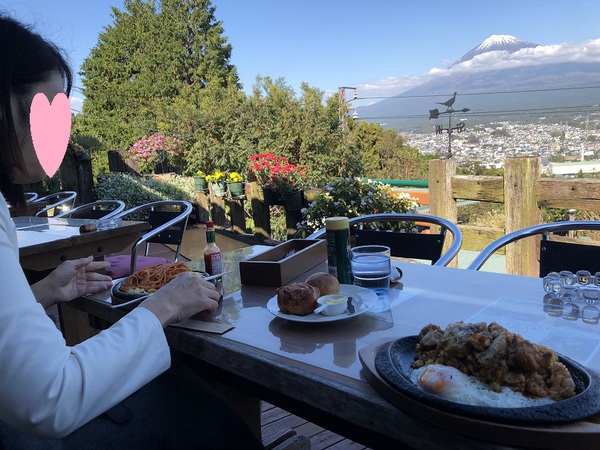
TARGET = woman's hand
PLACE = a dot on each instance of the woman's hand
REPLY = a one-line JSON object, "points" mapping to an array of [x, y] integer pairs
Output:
{"points": [[187, 294], [70, 280]]}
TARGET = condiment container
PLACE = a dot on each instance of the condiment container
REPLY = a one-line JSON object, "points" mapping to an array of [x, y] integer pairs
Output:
{"points": [[331, 305], [338, 248], [212, 253]]}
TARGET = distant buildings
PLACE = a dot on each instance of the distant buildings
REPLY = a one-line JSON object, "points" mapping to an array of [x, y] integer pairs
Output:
{"points": [[490, 144], [572, 168]]}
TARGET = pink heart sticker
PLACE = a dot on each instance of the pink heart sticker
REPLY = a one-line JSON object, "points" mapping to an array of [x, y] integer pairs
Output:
{"points": [[50, 130]]}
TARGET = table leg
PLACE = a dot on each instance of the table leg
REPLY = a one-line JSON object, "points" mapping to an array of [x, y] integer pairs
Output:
{"points": [[248, 407], [74, 324]]}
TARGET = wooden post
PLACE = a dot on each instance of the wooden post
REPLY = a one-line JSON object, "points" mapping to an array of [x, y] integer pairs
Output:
{"points": [[217, 208], [292, 217], [203, 206], [441, 201], [521, 209], [260, 212], [238, 215]]}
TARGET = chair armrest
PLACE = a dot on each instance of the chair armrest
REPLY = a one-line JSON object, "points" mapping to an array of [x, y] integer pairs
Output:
{"points": [[543, 228]]}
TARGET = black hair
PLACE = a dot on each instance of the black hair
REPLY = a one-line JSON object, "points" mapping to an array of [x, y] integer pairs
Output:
{"points": [[25, 58]]}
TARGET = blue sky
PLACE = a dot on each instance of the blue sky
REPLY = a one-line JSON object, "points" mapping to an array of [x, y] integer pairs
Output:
{"points": [[379, 46]]}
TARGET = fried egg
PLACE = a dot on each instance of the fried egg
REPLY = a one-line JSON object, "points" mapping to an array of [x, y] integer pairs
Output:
{"points": [[451, 384]]}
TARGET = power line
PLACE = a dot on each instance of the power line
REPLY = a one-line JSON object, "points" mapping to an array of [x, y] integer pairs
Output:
{"points": [[522, 91], [535, 111]]}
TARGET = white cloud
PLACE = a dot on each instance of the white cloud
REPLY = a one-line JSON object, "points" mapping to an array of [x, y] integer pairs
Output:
{"points": [[76, 104], [587, 51]]}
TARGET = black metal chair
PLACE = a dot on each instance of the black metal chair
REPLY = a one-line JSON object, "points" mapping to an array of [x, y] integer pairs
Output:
{"points": [[59, 201], [413, 245], [554, 255], [31, 196], [168, 220], [102, 209]]}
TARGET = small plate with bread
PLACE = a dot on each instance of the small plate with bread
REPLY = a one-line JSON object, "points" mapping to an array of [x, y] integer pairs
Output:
{"points": [[298, 301]]}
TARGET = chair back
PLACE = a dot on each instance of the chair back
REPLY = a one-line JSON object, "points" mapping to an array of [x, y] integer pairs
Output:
{"points": [[407, 245], [173, 234], [102, 209], [168, 227], [413, 245], [62, 200], [31, 197], [554, 255]]}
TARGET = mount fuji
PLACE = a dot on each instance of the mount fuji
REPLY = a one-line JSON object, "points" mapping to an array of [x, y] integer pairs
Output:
{"points": [[496, 43], [502, 78]]}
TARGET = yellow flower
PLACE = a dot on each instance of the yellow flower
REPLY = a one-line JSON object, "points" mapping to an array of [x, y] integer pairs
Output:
{"points": [[214, 177], [199, 173], [235, 177]]}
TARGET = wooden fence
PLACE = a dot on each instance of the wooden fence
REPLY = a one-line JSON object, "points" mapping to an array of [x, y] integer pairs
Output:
{"points": [[231, 211], [523, 193], [521, 189]]}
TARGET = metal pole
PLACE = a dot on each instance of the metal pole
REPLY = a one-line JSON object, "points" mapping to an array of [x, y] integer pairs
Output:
{"points": [[449, 133]]}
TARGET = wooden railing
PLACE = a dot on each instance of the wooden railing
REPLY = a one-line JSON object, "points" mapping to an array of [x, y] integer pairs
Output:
{"points": [[523, 193], [231, 211], [521, 189]]}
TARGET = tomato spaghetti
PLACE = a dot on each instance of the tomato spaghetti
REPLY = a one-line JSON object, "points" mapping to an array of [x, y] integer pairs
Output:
{"points": [[150, 279]]}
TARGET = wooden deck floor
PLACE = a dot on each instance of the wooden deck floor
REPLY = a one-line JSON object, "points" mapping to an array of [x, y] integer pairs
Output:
{"points": [[273, 419]]}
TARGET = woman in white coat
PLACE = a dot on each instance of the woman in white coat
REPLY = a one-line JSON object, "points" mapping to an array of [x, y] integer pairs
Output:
{"points": [[115, 390]]}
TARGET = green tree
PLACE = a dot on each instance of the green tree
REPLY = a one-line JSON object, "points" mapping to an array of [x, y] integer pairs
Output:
{"points": [[149, 57], [476, 168], [385, 154]]}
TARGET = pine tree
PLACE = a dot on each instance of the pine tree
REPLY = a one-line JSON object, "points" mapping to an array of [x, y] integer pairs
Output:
{"points": [[151, 56]]}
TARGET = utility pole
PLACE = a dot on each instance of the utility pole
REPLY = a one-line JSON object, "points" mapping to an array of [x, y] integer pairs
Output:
{"points": [[343, 116], [439, 129], [343, 108]]}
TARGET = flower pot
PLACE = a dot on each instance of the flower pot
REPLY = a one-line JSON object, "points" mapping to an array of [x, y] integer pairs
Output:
{"points": [[218, 188], [271, 197], [293, 200], [200, 184], [236, 189]]}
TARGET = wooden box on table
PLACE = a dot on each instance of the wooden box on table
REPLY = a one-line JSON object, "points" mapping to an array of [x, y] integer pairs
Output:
{"points": [[284, 262]]}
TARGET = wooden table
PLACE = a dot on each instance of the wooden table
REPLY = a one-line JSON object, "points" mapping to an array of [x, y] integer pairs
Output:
{"points": [[44, 243], [314, 370]]}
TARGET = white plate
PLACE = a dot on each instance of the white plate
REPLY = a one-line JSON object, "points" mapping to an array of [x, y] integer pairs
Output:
{"points": [[362, 299]]}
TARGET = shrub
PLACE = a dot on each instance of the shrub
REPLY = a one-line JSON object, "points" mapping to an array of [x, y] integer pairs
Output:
{"points": [[351, 198], [134, 191]]}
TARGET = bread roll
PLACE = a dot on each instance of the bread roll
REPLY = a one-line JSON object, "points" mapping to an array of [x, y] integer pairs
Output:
{"points": [[326, 283], [297, 298]]}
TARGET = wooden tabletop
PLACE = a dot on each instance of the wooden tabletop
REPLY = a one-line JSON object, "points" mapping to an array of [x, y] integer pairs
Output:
{"points": [[46, 242], [314, 370]]}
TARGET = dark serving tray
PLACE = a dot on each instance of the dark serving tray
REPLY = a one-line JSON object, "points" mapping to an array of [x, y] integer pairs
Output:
{"points": [[121, 299], [393, 362]]}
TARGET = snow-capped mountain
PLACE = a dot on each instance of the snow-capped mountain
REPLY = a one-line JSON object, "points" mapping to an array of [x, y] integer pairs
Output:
{"points": [[497, 42], [503, 77]]}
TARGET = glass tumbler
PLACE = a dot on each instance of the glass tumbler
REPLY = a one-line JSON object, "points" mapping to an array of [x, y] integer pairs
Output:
{"points": [[568, 277], [553, 284], [371, 267], [584, 277], [569, 293]]}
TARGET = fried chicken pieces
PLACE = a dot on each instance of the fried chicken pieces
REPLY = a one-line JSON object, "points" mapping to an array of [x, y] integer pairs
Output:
{"points": [[497, 357]]}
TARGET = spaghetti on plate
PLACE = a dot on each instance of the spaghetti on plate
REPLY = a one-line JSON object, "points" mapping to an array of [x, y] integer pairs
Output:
{"points": [[150, 279]]}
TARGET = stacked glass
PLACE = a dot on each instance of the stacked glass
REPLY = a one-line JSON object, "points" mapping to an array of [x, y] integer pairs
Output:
{"points": [[108, 224], [569, 286]]}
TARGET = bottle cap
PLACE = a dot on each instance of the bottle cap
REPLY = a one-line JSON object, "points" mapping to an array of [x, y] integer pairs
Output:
{"points": [[210, 224], [336, 223]]}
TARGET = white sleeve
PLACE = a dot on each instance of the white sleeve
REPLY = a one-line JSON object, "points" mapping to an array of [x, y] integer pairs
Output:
{"points": [[50, 389]]}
